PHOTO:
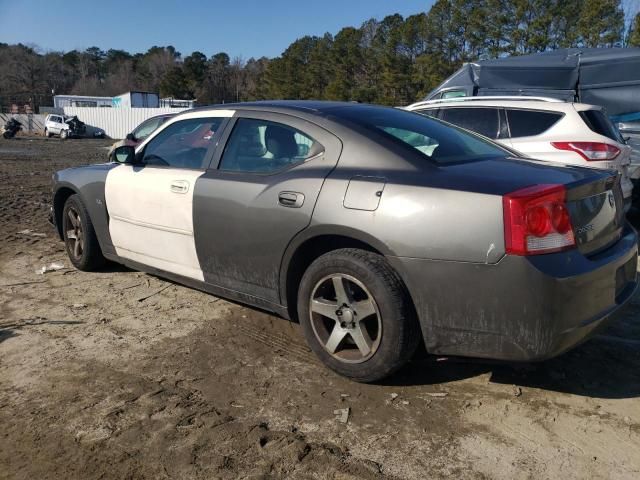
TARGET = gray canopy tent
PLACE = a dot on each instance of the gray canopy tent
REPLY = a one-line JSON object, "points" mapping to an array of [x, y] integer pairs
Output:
{"points": [[609, 77]]}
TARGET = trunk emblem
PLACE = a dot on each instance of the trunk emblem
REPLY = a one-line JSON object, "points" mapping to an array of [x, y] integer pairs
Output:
{"points": [[585, 229]]}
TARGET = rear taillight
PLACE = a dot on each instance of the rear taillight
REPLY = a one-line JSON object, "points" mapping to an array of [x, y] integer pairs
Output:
{"points": [[590, 151], [536, 220]]}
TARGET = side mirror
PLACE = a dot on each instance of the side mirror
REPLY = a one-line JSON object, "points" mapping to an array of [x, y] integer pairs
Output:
{"points": [[125, 154], [131, 137]]}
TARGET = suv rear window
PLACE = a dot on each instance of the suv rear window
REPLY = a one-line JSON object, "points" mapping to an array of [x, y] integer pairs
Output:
{"points": [[477, 119], [527, 123], [599, 123], [441, 143]]}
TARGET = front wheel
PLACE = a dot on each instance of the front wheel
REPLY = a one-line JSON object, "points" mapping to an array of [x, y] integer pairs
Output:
{"points": [[357, 315], [7, 134], [80, 238], [64, 134]]}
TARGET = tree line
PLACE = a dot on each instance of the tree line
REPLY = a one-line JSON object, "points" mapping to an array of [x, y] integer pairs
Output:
{"points": [[392, 61]]}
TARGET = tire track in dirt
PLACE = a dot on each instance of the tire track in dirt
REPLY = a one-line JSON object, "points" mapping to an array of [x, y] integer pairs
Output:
{"points": [[283, 344]]}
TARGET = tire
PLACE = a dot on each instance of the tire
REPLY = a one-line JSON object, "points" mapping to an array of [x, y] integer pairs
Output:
{"points": [[7, 135], [373, 344], [64, 134], [80, 238], [47, 133]]}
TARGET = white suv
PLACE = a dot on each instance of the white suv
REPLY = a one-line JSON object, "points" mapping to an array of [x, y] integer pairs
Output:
{"points": [[55, 125], [541, 128]]}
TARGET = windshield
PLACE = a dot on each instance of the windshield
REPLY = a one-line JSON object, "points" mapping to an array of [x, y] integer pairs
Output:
{"points": [[439, 142]]}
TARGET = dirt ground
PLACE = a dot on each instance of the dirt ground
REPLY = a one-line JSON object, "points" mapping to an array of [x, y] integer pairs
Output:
{"points": [[119, 374]]}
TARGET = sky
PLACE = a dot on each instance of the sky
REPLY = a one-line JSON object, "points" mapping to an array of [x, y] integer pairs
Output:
{"points": [[247, 28]]}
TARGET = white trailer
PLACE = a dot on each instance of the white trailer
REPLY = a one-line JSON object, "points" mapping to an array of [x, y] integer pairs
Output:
{"points": [[61, 101], [137, 100]]}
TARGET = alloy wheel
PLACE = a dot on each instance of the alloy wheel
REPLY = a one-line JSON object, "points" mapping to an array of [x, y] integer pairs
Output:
{"points": [[345, 318], [74, 233]]}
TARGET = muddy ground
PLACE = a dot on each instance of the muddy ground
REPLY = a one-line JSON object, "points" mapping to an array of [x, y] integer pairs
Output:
{"points": [[118, 374]]}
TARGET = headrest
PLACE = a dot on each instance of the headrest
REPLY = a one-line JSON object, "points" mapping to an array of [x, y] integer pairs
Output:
{"points": [[281, 142]]}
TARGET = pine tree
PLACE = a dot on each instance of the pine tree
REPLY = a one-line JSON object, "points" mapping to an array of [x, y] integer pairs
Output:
{"points": [[634, 34], [601, 23]]}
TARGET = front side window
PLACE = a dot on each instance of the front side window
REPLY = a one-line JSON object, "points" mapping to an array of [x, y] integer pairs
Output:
{"points": [[182, 144], [439, 142], [484, 121], [527, 123], [261, 146]]}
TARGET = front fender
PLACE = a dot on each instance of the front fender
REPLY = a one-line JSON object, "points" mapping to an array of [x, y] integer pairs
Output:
{"points": [[89, 183]]}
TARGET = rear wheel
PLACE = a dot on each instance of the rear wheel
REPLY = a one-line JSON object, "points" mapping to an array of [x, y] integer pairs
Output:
{"points": [[47, 133], [356, 315], [79, 235]]}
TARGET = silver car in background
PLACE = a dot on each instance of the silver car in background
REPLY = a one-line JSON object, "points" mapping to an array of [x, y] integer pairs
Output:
{"points": [[374, 227]]}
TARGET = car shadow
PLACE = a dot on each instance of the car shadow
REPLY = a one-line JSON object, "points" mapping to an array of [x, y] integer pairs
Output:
{"points": [[113, 267], [604, 367], [6, 334], [9, 330]]}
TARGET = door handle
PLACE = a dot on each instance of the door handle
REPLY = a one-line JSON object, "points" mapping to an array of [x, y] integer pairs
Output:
{"points": [[291, 199], [179, 186]]}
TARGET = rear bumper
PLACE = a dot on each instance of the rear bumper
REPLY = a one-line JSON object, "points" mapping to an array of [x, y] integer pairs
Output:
{"points": [[522, 308]]}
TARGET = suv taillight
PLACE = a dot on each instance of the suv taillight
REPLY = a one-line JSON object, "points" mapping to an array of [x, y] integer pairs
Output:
{"points": [[590, 151], [536, 220]]}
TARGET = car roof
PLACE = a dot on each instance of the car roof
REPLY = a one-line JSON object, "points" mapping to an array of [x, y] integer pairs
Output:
{"points": [[309, 106], [165, 115], [516, 102], [323, 113]]}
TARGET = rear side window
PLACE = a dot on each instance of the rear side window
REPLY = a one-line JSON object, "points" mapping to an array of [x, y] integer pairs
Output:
{"points": [[527, 123], [600, 124], [484, 121]]}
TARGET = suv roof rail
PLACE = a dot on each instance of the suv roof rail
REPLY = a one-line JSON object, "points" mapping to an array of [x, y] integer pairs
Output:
{"points": [[485, 98]]}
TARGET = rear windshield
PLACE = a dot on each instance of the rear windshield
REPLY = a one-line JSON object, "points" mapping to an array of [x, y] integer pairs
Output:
{"points": [[439, 142], [598, 122]]}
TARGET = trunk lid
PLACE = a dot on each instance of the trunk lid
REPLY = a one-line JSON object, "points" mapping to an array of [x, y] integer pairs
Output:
{"points": [[596, 208], [594, 196]]}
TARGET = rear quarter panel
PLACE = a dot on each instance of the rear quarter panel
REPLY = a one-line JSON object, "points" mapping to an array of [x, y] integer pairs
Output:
{"points": [[418, 221]]}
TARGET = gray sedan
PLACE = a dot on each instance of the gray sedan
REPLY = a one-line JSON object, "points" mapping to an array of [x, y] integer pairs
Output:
{"points": [[375, 228]]}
